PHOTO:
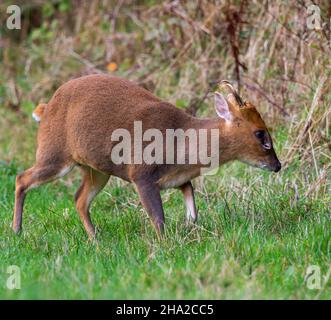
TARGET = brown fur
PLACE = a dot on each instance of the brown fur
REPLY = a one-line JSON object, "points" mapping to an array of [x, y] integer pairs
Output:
{"points": [[76, 127]]}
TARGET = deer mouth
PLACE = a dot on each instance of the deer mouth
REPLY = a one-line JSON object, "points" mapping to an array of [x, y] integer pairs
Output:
{"points": [[275, 166]]}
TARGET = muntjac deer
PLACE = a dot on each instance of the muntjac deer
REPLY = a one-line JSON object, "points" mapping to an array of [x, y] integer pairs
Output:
{"points": [[78, 126]]}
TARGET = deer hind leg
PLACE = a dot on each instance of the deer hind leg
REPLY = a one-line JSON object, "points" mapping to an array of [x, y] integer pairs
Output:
{"points": [[93, 182], [37, 175]]}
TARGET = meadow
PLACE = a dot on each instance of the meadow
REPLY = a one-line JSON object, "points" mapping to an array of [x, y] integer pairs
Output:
{"points": [[258, 233]]}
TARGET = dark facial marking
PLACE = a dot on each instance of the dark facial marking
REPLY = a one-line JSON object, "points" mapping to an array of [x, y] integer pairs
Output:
{"points": [[237, 121]]}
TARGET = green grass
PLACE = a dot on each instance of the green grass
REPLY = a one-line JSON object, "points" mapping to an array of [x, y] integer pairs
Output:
{"points": [[257, 233], [255, 239]]}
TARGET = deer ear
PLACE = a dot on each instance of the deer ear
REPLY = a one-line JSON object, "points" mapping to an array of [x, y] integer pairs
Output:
{"points": [[222, 107]]}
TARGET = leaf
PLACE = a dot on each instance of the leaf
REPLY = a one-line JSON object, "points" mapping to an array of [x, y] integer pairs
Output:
{"points": [[111, 66], [181, 103]]}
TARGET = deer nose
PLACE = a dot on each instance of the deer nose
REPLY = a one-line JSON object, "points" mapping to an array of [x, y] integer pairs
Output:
{"points": [[277, 166]]}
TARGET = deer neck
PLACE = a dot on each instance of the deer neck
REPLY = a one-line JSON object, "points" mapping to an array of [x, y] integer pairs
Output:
{"points": [[226, 147]]}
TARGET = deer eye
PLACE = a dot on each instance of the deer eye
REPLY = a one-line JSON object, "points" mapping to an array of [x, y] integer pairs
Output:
{"points": [[259, 134]]}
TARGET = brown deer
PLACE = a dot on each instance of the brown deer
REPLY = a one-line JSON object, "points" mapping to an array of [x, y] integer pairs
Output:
{"points": [[77, 124]]}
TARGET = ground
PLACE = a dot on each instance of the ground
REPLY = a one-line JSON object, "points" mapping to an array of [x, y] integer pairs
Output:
{"points": [[254, 239]]}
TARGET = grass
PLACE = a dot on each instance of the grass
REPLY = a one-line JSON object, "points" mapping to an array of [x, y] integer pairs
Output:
{"points": [[254, 241], [257, 233]]}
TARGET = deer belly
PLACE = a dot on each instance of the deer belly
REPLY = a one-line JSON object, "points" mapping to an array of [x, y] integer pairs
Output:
{"points": [[176, 180]]}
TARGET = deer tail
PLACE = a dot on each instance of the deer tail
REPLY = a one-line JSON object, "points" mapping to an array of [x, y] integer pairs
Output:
{"points": [[39, 111]]}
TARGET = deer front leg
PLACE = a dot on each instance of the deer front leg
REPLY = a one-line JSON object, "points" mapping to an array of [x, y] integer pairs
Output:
{"points": [[150, 198], [188, 192]]}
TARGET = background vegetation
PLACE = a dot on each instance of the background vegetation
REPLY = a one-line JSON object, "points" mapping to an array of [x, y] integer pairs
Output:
{"points": [[258, 232]]}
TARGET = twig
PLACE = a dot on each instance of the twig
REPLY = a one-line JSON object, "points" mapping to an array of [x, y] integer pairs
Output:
{"points": [[261, 92]]}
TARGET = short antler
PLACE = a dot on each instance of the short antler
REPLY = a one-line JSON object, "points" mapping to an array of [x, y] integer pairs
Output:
{"points": [[228, 85]]}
